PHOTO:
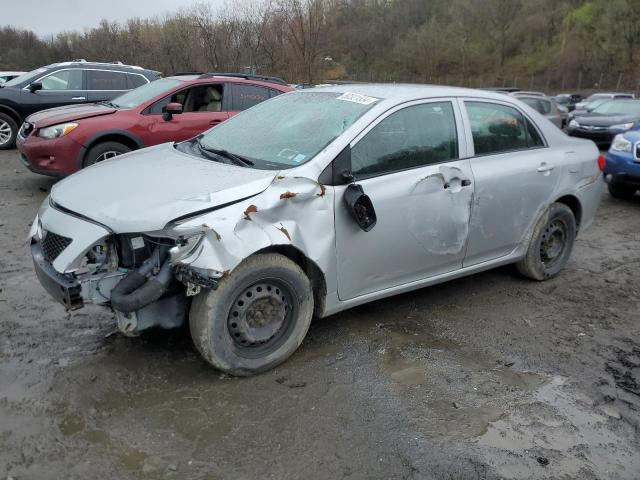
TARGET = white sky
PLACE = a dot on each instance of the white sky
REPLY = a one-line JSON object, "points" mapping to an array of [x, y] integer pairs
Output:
{"points": [[46, 17]]}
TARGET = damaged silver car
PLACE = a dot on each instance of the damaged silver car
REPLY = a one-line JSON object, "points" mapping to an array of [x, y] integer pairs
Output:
{"points": [[311, 203]]}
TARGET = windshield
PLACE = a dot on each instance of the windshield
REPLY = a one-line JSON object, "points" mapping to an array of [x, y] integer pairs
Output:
{"points": [[287, 130], [619, 107], [24, 77], [146, 92]]}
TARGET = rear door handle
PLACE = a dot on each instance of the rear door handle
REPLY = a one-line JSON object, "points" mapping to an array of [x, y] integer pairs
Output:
{"points": [[78, 98], [545, 167]]}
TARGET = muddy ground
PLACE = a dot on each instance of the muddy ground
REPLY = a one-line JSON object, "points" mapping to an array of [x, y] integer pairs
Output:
{"points": [[491, 376]]}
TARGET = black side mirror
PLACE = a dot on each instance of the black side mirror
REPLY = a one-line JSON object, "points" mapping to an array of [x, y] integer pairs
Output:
{"points": [[360, 207], [173, 108], [35, 86]]}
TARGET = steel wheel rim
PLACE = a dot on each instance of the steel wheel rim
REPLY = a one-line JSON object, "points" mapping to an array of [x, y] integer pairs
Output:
{"points": [[553, 242], [107, 155], [261, 317], [5, 132]]}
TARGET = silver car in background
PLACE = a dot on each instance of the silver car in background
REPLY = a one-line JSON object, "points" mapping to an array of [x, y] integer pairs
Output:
{"points": [[311, 203], [547, 107]]}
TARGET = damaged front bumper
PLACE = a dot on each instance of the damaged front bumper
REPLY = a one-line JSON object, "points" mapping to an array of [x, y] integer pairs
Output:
{"points": [[63, 288]]}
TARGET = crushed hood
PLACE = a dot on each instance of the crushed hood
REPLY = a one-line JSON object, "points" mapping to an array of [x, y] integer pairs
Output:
{"points": [[69, 113], [142, 191]]}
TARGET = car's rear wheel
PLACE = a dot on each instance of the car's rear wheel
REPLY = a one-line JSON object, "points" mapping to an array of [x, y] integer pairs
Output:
{"points": [[623, 193], [256, 318], [104, 151], [551, 244], [8, 132]]}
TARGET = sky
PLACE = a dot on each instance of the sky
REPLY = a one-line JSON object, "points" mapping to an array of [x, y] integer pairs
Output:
{"points": [[47, 17]]}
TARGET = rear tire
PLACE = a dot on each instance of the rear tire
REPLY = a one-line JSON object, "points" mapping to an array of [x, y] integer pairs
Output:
{"points": [[623, 193], [256, 318], [104, 151], [551, 244], [8, 132]]}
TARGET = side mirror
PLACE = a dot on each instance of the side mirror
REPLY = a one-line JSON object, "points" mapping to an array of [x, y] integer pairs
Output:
{"points": [[35, 86], [173, 108], [360, 207]]}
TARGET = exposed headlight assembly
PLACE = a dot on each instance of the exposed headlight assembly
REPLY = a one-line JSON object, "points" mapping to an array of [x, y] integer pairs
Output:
{"points": [[621, 144], [622, 126], [574, 123], [185, 246], [57, 131]]}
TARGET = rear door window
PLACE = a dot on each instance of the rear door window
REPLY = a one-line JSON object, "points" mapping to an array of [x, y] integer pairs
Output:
{"points": [[413, 137], [499, 128], [106, 80], [245, 96]]}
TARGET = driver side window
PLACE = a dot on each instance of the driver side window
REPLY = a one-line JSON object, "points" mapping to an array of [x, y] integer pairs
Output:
{"points": [[412, 137], [63, 80], [199, 98]]}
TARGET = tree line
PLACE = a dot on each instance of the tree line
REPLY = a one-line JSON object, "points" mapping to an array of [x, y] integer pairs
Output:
{"points": [[543, 43]]}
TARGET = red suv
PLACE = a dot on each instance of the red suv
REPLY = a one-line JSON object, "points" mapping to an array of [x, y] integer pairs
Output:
{"points": [[60, 141]]}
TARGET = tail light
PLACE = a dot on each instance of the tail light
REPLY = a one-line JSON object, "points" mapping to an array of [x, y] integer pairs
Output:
{"points": [[601, 162]]}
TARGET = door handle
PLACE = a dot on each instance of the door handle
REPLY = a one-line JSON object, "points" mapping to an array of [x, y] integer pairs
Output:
{"points": [[214, 122], [78, 98], [545, 167]]}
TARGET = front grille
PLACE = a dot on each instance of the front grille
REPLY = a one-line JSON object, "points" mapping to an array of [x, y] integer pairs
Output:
{"points": [[53, 245], [26, 129], [637, 151]]}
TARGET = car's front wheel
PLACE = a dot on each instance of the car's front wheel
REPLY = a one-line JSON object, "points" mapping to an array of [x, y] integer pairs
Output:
{"points": [[8, 132], [550, 245], [256, 318], [104, 151], [623, 193]]}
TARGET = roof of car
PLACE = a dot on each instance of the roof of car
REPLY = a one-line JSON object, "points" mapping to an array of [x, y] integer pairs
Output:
{"points": [[204, 77], [112, 65], [405, 92]]}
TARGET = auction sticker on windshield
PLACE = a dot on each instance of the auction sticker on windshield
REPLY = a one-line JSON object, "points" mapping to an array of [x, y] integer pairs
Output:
{"points": [[357, 98]]}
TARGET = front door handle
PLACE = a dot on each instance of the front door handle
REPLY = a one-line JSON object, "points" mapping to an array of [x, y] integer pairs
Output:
{"points": [[78, 98], [545, 167], [214, 122]]}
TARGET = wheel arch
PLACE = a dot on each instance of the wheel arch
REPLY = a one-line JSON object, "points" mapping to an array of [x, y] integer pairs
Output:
{"points": [[574, 204], [12, 113], [309, 267], [120, 136]]}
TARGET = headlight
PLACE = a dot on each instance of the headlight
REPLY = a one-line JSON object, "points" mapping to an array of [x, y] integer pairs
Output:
{"points": [[622, 126], [574, 123], [621, 144], [57, 131], [185, 246]]}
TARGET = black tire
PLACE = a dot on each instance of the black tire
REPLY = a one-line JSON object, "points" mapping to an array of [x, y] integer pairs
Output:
{"points": [[256, 318], [10, 127], [623, 193], [98, 152], [551, 244]]}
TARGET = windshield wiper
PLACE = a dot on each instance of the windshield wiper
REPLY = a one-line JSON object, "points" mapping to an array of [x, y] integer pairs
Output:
{"points": [[237, 159], [107, 103]]}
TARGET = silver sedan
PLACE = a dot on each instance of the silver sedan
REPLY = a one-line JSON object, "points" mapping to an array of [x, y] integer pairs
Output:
{"points": [[311, 203]]}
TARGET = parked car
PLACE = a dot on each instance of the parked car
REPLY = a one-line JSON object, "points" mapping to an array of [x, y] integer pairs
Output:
{"points": [[622, 165], [64, 83], [606, 121], [311, 203], [62, 140], [6, 76], [568, 100], [587, 108], [546, 107], [605, 96]]}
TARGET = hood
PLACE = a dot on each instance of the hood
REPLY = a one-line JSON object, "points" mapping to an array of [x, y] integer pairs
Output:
{"points": [[68, 113], [144, 190], [598, 120]]}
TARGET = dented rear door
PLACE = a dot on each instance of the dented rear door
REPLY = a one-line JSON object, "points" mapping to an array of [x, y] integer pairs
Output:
{"points": [[409, 165]]}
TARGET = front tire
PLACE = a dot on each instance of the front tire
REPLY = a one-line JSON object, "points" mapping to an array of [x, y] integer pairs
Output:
{"points": [[8, 132], [104, 151], [256, 318], [623, 193], [551, 244]]}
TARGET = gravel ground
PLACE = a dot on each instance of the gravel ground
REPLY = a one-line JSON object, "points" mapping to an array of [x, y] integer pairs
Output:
{"points": [[491, 376]]}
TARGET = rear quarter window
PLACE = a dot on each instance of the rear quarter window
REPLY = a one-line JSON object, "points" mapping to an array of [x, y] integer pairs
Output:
{"points": [[135, 80]]}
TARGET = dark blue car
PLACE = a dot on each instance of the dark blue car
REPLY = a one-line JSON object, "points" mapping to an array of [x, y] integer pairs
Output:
{"points": [[622, 167]]}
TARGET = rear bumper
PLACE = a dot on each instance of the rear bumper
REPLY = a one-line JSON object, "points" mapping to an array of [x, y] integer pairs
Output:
{"points": [[63, 288]]}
